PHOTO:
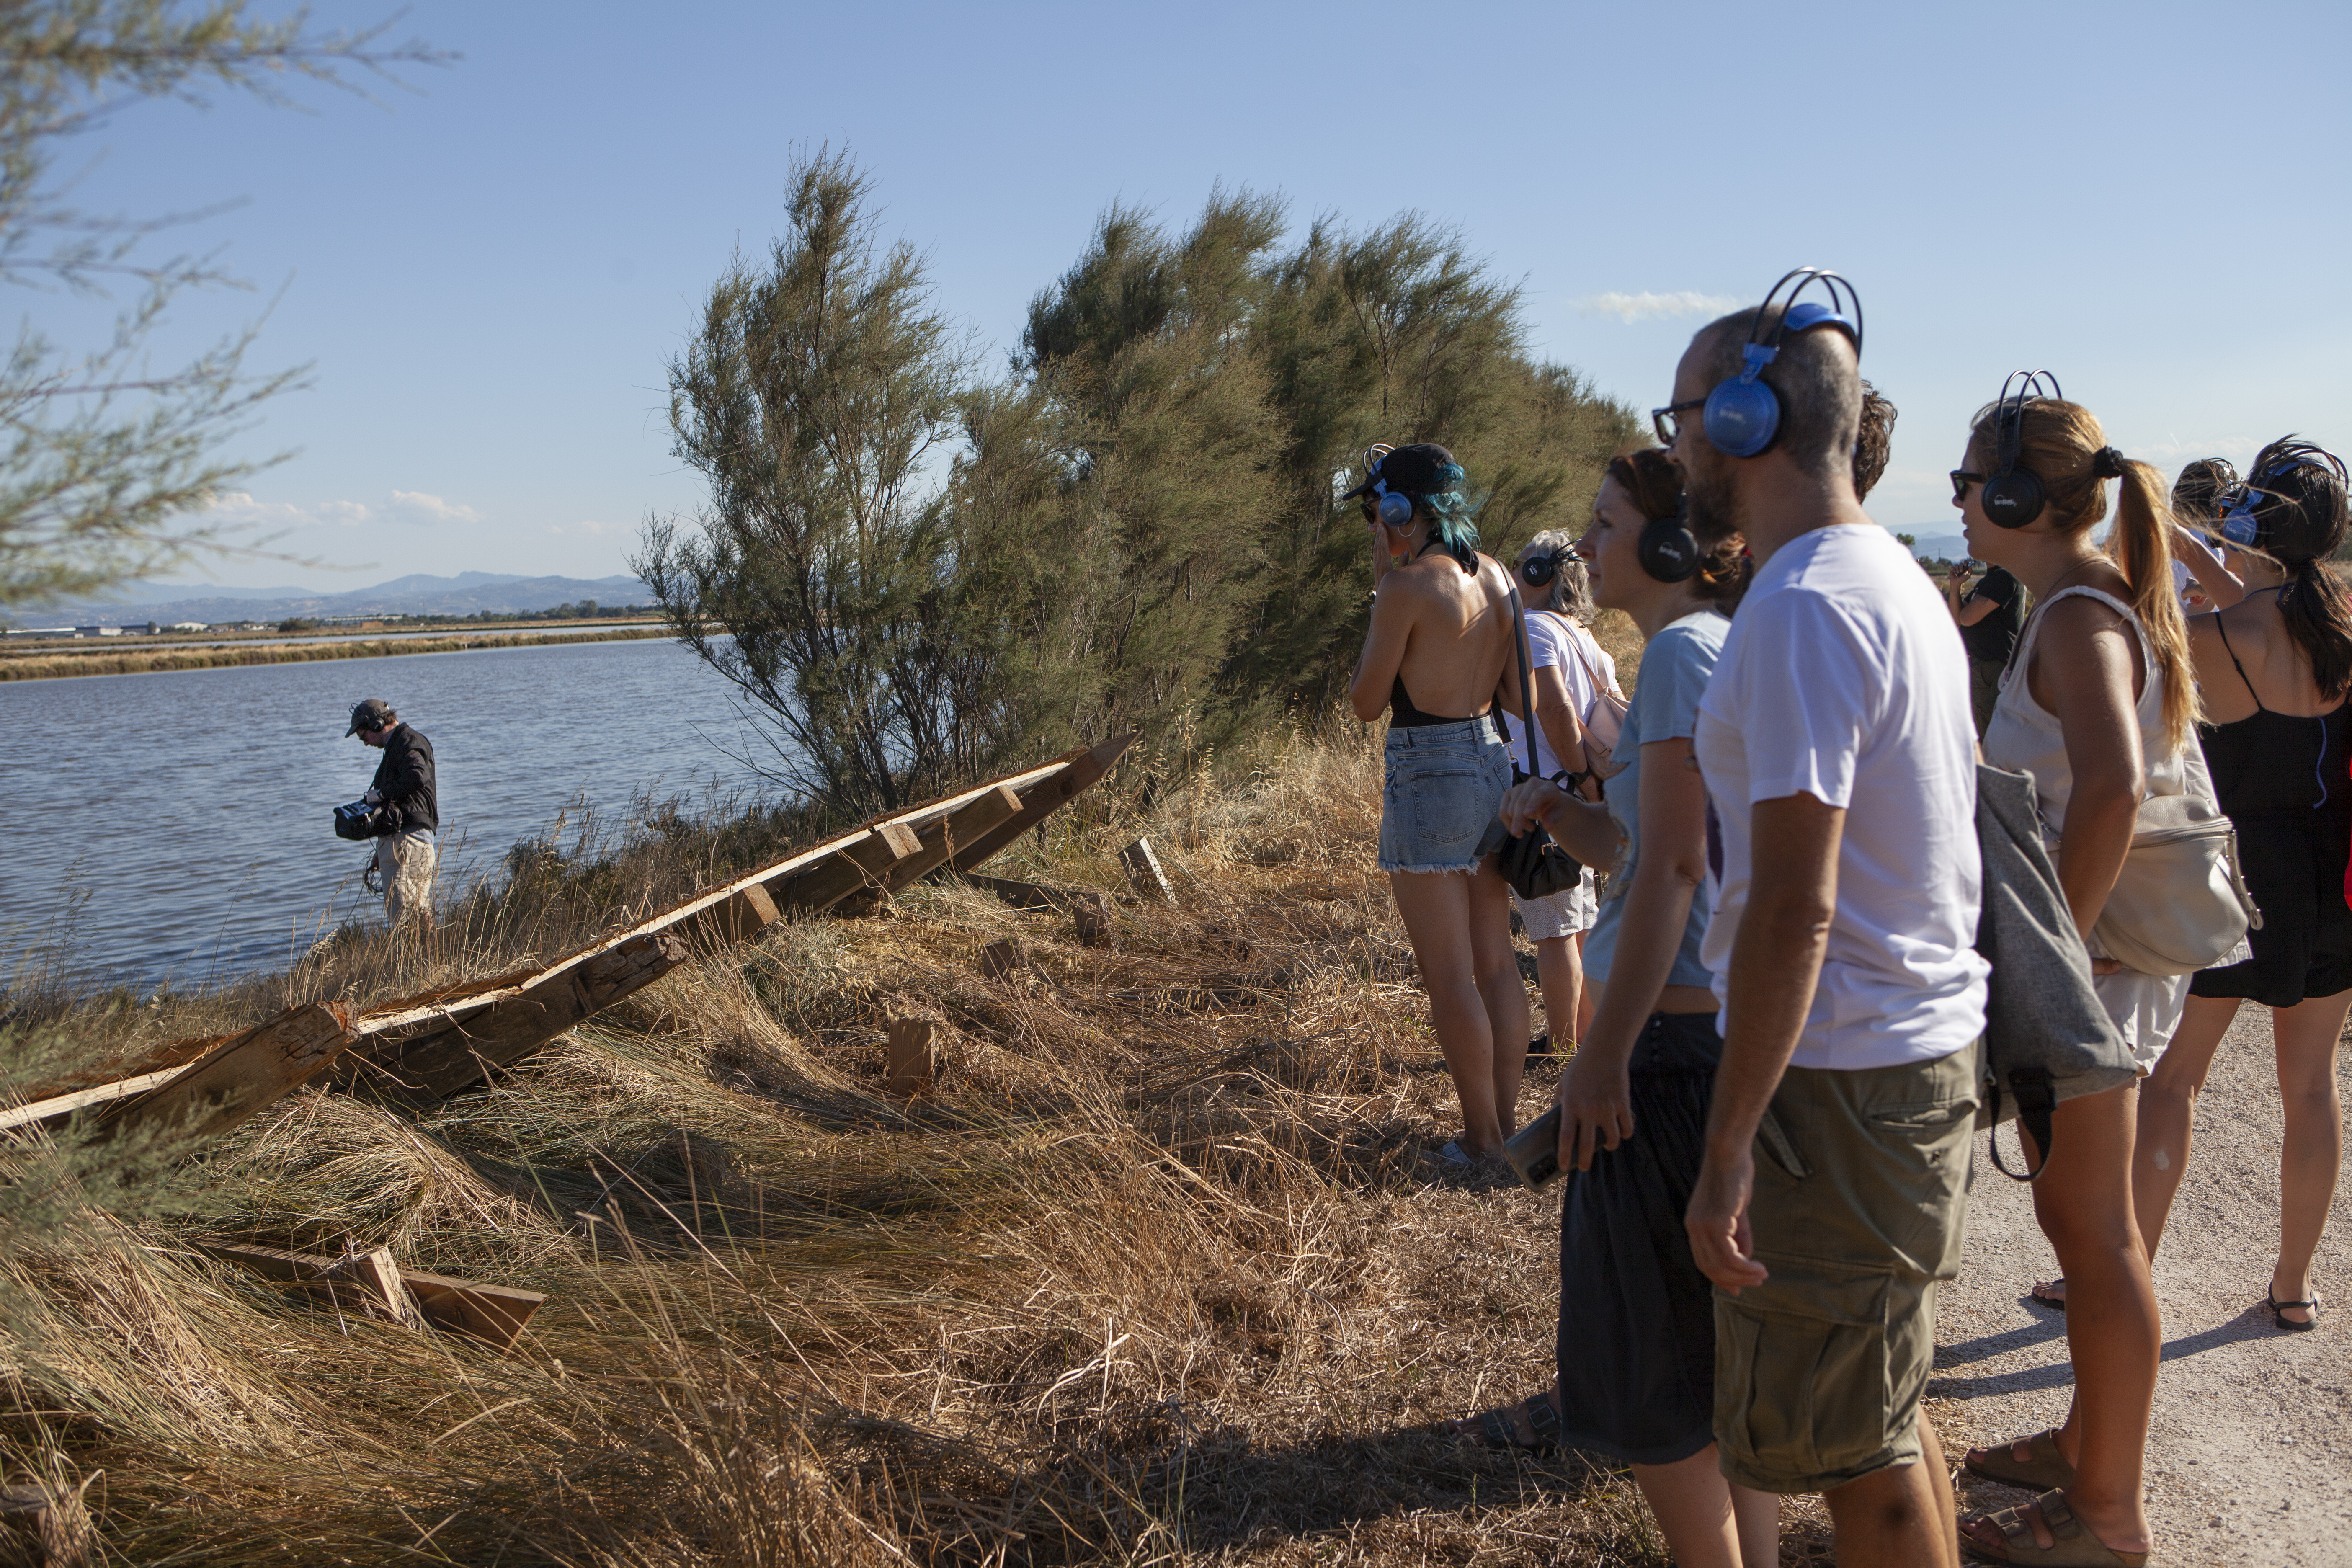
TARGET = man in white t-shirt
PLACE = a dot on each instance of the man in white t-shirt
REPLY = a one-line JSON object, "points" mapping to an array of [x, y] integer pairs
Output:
{"points": [[1839, 757]]}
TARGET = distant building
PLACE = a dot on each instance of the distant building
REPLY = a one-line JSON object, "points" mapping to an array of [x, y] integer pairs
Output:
{"points": [[188, 626]]}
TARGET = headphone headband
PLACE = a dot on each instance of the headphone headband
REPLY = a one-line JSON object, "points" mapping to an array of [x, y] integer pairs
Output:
{"points": [[1796, 318], [2013, 493]]}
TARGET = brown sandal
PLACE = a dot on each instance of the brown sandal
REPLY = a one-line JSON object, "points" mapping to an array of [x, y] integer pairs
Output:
{"points": [[2072, 1543], [2044, 1467]]}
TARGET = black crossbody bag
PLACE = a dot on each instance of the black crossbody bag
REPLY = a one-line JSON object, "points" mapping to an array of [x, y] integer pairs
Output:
{"points": [[1534, 866]]}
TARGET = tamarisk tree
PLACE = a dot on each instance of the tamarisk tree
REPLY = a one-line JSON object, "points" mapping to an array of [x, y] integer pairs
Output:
{"points": [[813, 397]]}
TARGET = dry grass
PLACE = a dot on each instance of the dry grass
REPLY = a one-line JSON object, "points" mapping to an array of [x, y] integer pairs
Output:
{"points": [[1158, 1274]]}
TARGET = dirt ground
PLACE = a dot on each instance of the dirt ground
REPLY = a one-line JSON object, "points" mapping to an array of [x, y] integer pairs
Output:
{"points": [[2250, 1458]]}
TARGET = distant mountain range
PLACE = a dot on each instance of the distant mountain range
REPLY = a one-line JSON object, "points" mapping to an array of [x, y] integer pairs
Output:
{"points": [[418, 595], [1939, 546]]}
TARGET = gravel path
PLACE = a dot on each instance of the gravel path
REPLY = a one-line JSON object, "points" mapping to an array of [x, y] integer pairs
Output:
{"points": [[2250, 1458]]}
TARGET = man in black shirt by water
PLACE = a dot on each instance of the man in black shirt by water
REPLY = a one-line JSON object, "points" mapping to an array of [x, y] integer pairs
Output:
{"points": [[404, 855], [1992, 612]]}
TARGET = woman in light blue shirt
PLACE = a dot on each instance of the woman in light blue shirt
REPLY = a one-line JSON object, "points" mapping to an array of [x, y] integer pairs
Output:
{"points": [[1637, 1348]]}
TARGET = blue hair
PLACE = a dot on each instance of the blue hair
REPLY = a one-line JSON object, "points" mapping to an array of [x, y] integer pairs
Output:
{"points": [[1453, 525]]}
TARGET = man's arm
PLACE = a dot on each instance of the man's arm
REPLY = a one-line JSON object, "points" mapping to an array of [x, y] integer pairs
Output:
{"points": [[1776, 962]]}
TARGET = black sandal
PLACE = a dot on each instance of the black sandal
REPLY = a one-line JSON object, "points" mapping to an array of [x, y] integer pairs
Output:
{"points": [[2279, 1310]]}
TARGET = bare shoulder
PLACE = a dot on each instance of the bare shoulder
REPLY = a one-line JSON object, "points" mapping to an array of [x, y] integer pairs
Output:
{"points": [[2080, 616]]}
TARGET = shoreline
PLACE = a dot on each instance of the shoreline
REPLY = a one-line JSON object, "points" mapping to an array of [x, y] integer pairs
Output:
{"points": [[151, 661]]}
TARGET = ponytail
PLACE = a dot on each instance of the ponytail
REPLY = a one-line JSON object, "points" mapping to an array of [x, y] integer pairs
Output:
{"points": [[2320, 621], [1453, 520], [2141, 545]]}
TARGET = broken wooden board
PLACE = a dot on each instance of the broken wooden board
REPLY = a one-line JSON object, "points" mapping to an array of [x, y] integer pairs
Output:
{"points": [[1046, 795], [494, 1314], [63, 1105], [431, 1067], [1001, 960], [221, 1090]]}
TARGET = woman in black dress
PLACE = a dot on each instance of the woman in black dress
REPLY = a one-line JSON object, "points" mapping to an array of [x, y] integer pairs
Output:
{"points": [[2273, 670]]}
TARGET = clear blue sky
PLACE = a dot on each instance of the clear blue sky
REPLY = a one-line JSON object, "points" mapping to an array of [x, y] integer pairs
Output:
{"points": [[2148, 199]]}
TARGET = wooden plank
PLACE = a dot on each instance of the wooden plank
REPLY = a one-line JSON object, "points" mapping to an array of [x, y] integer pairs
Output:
{"points": [[81, 1100], [494, 1314], [914, 1062], [1042, 798], [379, 1273], [433, 1066], [1143, 873], [936, 847], [1091, 911], [410, 1018], [237, 1080], [861, 865], [999, 960]]}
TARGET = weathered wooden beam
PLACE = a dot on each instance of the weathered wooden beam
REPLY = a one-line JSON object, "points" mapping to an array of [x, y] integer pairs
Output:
{"points": [[1091, 911], [863, 864], [1047, 795], [56, 1106], [254, 1069], [494, 1314], [746, 913], [432, 1066], [1000, 960], [937, 845]]}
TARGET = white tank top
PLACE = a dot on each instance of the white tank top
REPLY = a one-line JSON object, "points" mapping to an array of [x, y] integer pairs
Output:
{"points": [[2024, 735]]}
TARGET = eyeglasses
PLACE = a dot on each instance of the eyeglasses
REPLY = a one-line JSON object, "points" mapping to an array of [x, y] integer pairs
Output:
{"points": [[1668, 421], [1962, 480]]}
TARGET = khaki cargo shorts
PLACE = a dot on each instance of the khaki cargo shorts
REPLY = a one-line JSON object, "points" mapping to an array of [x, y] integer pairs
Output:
{"points": [[1860, 1206]]}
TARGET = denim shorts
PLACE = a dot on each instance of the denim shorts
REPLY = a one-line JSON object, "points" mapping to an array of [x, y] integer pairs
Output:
{"points": [[1445, 790]]}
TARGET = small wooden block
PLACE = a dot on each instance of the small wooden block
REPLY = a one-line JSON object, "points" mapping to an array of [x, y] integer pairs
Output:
{"points": [[902, 839], [1000, 959], [914, 1055], [381, 1274], [1092, 913], [740, 918], [1144, 873]]}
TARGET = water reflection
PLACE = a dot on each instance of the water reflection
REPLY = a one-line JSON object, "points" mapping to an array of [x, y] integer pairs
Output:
{"points": [[180, 821]]}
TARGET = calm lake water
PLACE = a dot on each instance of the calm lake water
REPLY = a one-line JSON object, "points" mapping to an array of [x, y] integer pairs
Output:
{"points": [[179, 826]]}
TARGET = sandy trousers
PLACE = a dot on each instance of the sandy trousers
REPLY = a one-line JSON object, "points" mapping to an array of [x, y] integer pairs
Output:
{"points": [[405, 862]]}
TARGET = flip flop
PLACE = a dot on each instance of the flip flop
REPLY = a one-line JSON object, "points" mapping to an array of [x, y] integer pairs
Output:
{"points": [[2279, 1310], [1540, 1046], [1454, 1157], [2040, 1297], [2043, 1468], [2072, 1543]]}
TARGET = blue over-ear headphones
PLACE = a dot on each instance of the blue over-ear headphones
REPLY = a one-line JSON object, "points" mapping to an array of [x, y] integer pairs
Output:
{"points": [[1743, 413], [1395, 508]]}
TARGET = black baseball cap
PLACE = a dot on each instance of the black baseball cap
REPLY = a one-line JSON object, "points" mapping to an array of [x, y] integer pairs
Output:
{"points": [[1417, 470], [369, 715]]}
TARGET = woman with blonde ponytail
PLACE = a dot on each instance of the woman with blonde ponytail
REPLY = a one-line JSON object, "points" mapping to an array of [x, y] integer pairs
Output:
{"points": [[2098, 704]]}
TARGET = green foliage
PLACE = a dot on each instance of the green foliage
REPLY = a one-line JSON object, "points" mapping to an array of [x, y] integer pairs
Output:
{"points": [[1139, 525], [99, 455], [819, 386]]}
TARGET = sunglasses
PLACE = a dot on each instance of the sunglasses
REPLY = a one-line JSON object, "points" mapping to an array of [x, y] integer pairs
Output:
{"points": [[1668, 421], [1962, 480]]}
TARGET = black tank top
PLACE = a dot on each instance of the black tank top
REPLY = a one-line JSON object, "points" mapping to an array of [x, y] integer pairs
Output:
{"points": [[1403, 714], [2269, 763]]}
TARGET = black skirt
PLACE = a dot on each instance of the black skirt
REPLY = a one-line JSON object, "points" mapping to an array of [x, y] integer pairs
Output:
{"points": [[1636, 1317]]}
